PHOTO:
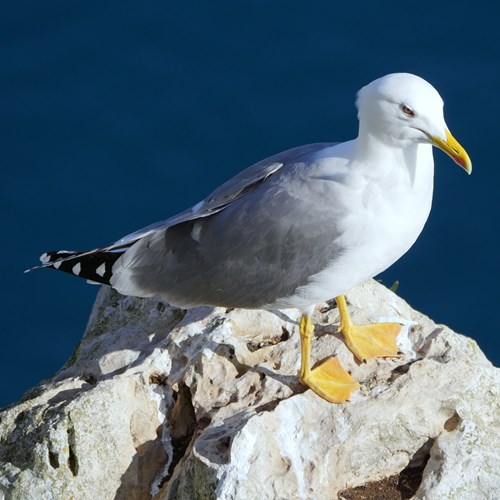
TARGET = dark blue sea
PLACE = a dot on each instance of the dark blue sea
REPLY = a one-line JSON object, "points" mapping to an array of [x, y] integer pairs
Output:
{"points": [[114, 115]]}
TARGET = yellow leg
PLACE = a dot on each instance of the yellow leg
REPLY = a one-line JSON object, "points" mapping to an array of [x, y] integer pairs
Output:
{"points": [[328, 380], [368, 341]]}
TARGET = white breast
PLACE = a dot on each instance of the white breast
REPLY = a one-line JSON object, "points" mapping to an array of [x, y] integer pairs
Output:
{"points": [[381, 215]]}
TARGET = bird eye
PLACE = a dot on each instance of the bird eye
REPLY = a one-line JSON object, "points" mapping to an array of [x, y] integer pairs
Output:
{"points": [[407, 111]]}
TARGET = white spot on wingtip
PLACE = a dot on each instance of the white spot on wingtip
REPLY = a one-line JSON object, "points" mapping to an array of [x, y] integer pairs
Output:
{"points": [[101, 270], [77, 269]]}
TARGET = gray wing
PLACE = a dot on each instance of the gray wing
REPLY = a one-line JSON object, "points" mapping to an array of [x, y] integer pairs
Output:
{"points": [[231, 190], [254, 240]]}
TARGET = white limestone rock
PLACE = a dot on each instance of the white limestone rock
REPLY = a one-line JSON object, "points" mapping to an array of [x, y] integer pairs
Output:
{"points": [[162, 403]]}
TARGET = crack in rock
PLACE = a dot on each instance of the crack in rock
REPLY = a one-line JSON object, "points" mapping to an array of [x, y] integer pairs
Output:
{"points": [[402, 486]]}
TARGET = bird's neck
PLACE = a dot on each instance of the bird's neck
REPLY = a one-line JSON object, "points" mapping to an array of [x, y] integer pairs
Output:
{"points": [[382, 156], [370, 144]]}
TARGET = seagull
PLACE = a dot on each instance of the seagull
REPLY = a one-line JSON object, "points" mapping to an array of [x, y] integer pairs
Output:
{"points": [[298, 228]]}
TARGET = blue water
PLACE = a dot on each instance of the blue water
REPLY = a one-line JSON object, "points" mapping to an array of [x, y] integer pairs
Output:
{"points": [[117, 114]]}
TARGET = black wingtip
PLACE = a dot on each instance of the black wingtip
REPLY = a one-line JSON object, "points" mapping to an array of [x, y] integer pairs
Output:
{"points": [[95, 266]]}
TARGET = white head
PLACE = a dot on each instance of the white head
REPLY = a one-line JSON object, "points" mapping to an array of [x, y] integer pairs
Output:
{"points": [[401, 110]]}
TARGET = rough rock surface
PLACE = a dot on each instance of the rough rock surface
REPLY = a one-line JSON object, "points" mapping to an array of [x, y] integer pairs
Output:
{"points": [[162, 403]]}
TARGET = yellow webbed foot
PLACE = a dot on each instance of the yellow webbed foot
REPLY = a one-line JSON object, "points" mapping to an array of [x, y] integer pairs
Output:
{"points": [[330, 381], [372, 341], [368, 341]]}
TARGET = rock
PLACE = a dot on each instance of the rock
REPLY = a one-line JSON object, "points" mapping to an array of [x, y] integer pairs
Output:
{"points": [[158, 402]]}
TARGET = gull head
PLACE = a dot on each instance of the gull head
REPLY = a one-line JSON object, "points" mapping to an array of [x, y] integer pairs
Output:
{"points": [[401, 110]]}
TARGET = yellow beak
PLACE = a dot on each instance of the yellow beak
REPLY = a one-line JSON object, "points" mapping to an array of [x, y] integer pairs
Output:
{"points": [[453, 149]]}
